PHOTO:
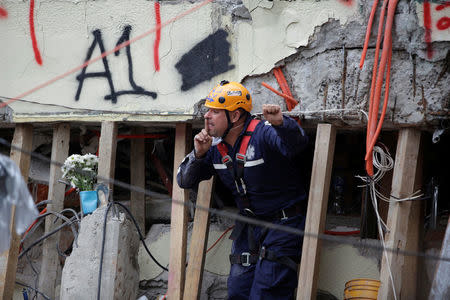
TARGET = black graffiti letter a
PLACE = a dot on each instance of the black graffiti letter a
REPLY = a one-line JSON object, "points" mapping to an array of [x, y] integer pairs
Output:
{"points": [[137, 90], [107, 74]]}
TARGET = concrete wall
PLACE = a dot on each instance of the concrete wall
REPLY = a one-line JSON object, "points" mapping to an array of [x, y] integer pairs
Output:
{"points": [[318, 43]]}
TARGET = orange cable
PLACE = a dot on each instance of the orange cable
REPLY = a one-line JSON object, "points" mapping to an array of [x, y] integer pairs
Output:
{"points": [[284, 87], [223, 234], [386, 98], [384, 58], [287, 97], [69, 191], [369, 29], [331, 232], [282, 81], [373, 112]]}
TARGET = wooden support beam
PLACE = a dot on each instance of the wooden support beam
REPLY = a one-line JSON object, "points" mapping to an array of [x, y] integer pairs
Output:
{"points": [[403, 221], [107, 153], [199, 239], [179, 217], [50, 260], [317, 209], [23, 139], [137, 172], [441, 284]]}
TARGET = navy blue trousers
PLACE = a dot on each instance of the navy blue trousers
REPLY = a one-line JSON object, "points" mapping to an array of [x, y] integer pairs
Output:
{"points": [[267, 279]]}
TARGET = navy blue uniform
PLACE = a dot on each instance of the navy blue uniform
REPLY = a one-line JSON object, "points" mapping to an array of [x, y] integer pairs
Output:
{"points": [[273, 181]]}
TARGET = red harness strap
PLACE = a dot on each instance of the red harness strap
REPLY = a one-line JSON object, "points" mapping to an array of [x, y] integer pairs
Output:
{"points": [[240, 161], [223, 150]]}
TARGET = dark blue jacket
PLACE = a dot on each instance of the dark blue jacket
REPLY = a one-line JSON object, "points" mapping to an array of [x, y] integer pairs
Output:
{"points": [[271, 172]]}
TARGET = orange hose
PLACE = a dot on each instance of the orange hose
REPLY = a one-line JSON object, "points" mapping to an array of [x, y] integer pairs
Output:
{"points": [[384, 58], [282, 81], [368, 30], [373, 111], [284, 86], [223, 234], [386, 98], [287, 97], [69, 191], [331, 232]]}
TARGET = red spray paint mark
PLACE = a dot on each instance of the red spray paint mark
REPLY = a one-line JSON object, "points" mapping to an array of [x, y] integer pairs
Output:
{"points": [[443, 23], [347, 2], [157, 37], [3, 13], [442, 6], [104, 54], [37, 54], [427, 25]]}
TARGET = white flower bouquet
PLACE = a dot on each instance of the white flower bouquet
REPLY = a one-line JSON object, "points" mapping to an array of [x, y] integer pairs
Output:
{"points": [[81, 171]]}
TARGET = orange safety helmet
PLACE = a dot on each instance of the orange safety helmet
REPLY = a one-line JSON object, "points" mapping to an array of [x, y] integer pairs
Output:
{"points": [[229, 96]]}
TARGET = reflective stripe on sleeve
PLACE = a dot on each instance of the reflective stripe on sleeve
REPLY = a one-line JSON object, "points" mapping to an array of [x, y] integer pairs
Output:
{"points": [[250, 163], [219, 166], [253, 163]]}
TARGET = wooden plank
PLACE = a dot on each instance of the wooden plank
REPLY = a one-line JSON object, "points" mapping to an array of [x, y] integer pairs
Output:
{"points": [[403, 221], [23, 138], [199, 239], [440, 288], [137, 172], [317, 209], [50, 260], [179, 217], [107, 154]]}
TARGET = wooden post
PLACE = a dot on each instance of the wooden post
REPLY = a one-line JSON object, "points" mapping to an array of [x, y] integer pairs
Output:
{"points": [[23, 138], [179, 218], [403, 221], [50, 261], [199, 239], [137, 172], [107, 153], [317, 209], [441, 285]]}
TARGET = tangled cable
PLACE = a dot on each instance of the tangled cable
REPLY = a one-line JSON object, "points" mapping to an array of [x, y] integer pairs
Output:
{"points": [[383, 162]]}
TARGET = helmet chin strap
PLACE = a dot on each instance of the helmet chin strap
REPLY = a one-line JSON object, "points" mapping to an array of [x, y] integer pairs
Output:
{"points": [[230, 125]]}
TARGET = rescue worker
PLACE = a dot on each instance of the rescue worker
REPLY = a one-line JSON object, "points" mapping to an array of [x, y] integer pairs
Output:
{"points": [[258, 162]]}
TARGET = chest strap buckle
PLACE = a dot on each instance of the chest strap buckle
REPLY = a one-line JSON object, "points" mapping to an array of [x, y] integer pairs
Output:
{"points": [[240, 158], [226, 160]]}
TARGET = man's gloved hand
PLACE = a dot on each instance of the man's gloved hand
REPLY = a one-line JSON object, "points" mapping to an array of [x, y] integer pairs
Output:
{"points": [[202, 141], [272, 113]]}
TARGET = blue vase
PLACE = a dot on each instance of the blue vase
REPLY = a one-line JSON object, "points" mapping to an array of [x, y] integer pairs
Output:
{"points": [[88, 201]]}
